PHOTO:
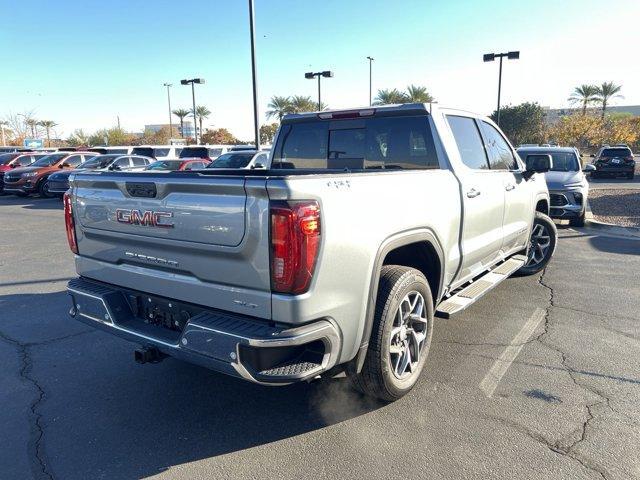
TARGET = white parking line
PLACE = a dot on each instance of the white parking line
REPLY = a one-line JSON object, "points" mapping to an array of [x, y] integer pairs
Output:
{"points": [[504, 361]]}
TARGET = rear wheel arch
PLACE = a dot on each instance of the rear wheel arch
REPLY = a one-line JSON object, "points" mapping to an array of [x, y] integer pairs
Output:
{"points": [[416, 249]]}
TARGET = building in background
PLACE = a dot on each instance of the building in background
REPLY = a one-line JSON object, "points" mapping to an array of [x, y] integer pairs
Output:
{"points": [[187, 127]]}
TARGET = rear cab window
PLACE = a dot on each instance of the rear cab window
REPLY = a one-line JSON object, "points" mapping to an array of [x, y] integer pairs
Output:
{"points": [[394, 142]]}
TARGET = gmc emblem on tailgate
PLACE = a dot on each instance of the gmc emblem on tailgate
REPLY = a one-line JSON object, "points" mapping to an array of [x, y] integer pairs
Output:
{"points": [[148, 218]]}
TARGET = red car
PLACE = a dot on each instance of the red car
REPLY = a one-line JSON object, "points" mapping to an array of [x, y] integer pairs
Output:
{"points": [[33, 178], [9, 161], [179, 165]]}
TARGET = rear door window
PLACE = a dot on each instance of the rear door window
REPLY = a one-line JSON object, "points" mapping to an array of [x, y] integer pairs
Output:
{"points": [[139, 161], [74, 160], [498, 150], [469, 142]]}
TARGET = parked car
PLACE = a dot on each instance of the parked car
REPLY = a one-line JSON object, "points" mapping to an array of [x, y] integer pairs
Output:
{"points": [[208, 152], [567, 183], [241, 159], [33, 179], [10, 149], [332, 261], [614, 161], [9, 161], [158, 152], [58, 182], [178, 165], [120, 150]]}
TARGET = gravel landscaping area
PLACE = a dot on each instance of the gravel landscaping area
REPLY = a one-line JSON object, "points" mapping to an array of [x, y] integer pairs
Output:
{"points": [[619, 207]]}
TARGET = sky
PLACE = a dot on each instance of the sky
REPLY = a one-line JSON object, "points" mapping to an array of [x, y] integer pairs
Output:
{"points": [[83, 63]]}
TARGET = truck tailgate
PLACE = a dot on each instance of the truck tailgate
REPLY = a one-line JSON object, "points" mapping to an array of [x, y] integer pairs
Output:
{"points": [[202, 239]]}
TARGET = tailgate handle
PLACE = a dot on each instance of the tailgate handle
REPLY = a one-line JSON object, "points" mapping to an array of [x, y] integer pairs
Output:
{"points": [[141, 189]]}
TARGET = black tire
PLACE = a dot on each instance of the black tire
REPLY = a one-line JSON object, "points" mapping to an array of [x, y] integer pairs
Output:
{"points": [[532, 267], [578, 221], [43, 188], [377, 378]]}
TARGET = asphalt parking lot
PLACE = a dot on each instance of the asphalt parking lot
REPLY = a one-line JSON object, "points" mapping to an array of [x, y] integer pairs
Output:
{"points": [[540, 379]]}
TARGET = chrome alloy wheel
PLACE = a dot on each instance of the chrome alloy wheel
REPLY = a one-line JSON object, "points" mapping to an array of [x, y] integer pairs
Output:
{"points": [[408, 334], [539, 244]]}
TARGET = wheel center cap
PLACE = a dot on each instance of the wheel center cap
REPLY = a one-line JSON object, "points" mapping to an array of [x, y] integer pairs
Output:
{"points": [[403, 333]]}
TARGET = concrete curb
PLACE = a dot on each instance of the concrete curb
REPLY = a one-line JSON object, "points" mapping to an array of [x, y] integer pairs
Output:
{"points": [[632, 232]]}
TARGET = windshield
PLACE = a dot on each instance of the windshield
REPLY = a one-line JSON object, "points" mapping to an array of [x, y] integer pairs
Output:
{"points": [[194, 152], [165, 165], [6, 158], [562, 161], [49, 160], [99, 161], [231, 160], [616, 152]]}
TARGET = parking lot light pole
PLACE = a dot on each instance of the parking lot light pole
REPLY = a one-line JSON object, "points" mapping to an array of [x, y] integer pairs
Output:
{"points": [[370, 77], [168, 85], [312, 75], [490, 57], [256, 120], [193, 81]]}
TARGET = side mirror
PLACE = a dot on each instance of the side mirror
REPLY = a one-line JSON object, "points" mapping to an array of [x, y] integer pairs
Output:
{"points": [[114, 167], [589, 167], [537, 163], [593, 155], [13, 165], [259, 165], [65, 165]]}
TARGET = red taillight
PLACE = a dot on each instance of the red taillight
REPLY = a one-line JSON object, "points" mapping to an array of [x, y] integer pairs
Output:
{"points": [[295, 239], [68, 222]]}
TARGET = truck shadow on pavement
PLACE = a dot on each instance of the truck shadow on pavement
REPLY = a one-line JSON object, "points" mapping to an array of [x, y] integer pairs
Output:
{"points": [[101, 414], [32, 202]]}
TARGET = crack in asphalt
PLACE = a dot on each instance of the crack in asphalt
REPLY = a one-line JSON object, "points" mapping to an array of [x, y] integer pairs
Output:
{"points": [[558, 447], [36, 433]]}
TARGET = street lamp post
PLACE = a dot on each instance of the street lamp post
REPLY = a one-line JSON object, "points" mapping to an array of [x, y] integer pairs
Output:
{"points": [[168, 85], [370, 77], [490, 57], [312, 75], [193, 81], [256, 120]]}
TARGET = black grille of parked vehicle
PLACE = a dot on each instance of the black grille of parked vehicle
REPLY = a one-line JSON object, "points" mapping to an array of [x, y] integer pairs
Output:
{"points": [[11, 177], [557, 200]]}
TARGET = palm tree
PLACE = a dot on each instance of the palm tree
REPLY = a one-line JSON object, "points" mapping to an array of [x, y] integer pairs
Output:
{"points": [[32, 122], [279, 107], [181, 113], [202, 112], [584, 95], [386, 97], [418, 94], [606, 92], [301, 103], [48, 125]]}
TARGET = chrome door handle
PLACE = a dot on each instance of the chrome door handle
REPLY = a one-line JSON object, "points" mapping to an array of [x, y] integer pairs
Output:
{"points": [[473, 193], [509, 187]]}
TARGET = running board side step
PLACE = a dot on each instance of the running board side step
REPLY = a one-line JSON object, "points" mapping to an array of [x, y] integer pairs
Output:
{"points": [[481, 285]]}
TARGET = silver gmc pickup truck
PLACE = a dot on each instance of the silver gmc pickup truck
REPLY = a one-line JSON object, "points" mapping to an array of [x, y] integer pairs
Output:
{"points": [[332, 261]]}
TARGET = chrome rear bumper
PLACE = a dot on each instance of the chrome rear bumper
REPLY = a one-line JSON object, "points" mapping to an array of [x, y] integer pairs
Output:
{"points": [[229, 343]]}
